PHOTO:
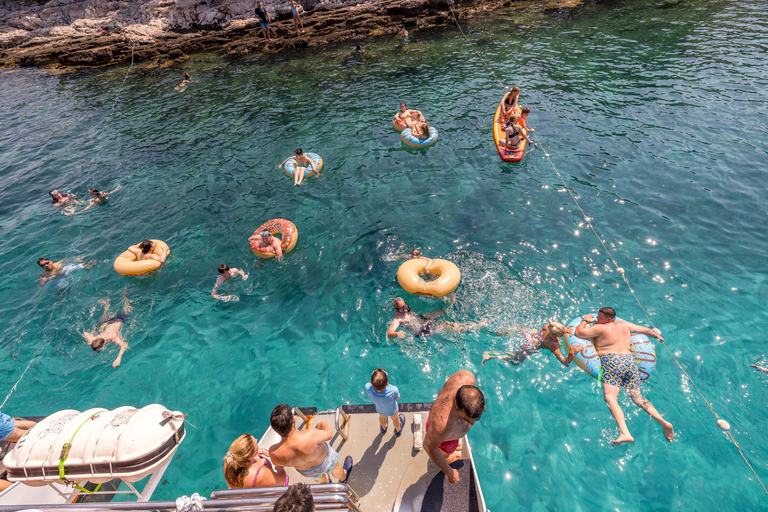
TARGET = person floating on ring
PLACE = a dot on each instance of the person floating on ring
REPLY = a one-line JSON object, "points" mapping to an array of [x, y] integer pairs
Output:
{"points": [[266, 239], [302, 162], [547, 337]]}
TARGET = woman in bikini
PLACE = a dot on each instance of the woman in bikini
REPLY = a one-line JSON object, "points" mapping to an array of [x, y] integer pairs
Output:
{"points": [[547, 337], [98, 197], [143, 251], [60, 199], [302, 162], [245, 465], [509, 102], [295, 6], [515, 134]]}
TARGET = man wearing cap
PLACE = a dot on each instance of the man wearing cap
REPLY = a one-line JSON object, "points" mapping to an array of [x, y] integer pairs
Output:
{"points": [[267, 240]]}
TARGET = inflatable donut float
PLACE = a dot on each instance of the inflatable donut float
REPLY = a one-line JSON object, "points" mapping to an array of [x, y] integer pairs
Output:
{"points": [[127, 265], [290, 165], [289, 235], [409, 277], [409, 139], [588, 360]]}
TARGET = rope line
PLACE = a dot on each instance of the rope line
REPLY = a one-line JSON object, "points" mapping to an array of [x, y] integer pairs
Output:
{"points": [[623, 275], [720, 422]]}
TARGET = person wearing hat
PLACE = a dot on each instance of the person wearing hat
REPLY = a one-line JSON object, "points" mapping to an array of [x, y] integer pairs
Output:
{"points": [[267, 240], [548, 337], [183, 84]]}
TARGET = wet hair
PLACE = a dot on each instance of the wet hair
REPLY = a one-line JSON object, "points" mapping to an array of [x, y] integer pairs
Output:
{"points": [[297, 498], [556, 329], [527, 110], [470, 400], [415, 253], [237, 461], [404, 303], [186, 76], [281, 420], [145, 246], [299, 152], [223, 268], [379, 379], [264, 232], [41, 260], [608, 312], [100, 195], [402, 104], [97, 344], [515, 89]]}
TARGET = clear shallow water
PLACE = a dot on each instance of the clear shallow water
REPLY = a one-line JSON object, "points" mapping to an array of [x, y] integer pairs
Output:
{"points": [[654, 114]]}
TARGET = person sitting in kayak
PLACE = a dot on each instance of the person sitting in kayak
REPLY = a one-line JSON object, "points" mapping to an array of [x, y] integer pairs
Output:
{"points": [[521, 121], [515, 134], [509, 102]]}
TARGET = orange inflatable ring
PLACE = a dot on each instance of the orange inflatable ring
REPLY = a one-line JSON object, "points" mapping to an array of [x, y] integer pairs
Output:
{"points": [[289, 235]]}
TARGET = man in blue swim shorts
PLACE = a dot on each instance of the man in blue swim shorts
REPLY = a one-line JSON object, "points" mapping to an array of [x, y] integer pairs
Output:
{"points": [[307, 450], [263, 20], [12, 430], [611, 340]]}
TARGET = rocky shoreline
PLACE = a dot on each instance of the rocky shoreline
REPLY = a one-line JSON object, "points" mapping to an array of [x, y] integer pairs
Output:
{"points": [[66, 35]]}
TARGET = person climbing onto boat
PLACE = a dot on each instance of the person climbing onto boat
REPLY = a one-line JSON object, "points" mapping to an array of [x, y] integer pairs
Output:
{"points": [[455, 410], [110, 330], [302, 162], [226, 273], [269, 241], [509, 102], [618, 367], [548, 337], [263, 20], [52, 270], [308, 451], [97, 197], [144, 251], [295, 6], [384, 397], [60, 199], [423, 326], [247, 466], [297, 498], [515, 134]]}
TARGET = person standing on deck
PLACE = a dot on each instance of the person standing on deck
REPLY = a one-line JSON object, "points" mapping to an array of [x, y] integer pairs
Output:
{"points": [[457, 407]]}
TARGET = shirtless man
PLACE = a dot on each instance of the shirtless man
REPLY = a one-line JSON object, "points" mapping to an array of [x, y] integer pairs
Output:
{"points": [[404, 113], [457, 407], [611, 340], [422, 326], [52, 270], [265, 239], [109, 329], [225, 273], [308, 451]]}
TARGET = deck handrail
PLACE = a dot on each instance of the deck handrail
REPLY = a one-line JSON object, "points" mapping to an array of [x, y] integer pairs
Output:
{"points": [[316, 489], [340, 413]]}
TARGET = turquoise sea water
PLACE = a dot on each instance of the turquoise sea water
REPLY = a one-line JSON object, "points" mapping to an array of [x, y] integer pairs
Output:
{"points": [[655, 115]]}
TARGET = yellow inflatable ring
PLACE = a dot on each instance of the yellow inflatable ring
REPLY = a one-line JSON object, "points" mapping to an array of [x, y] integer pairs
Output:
{"points": [[449, 276], [127, 265], [289, 235]]}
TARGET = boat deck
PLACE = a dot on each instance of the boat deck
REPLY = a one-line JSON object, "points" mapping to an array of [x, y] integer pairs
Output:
{"points": [[389, 474]]}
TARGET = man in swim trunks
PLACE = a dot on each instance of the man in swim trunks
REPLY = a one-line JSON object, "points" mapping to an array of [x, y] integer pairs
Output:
{"points": [[308, 450], [265, 239], [263, 20], [619, 369], [110, 330], [225, 273], [52, 270], [422, 326], [457, 407]]}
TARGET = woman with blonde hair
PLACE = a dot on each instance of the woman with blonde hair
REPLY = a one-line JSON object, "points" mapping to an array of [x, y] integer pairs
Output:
{"points": [[247, 466], [548, 337]]}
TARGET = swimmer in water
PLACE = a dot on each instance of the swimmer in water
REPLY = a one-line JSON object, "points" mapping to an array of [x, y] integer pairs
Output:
{"points": [[547, 337], [302, 162], [52, 270], [759, 368], [423, 326], [110, 330], [60, 199], [403, 33], [97, 197], [143, 251], [265, 239], [187, 80], [226, 273], [611, 339]]}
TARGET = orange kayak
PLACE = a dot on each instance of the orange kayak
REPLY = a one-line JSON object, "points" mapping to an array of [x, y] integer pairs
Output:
{"points": [[506, 154]]}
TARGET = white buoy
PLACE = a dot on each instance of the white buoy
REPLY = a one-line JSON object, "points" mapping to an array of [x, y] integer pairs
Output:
{"points": [[620, 270], [723, 425]]}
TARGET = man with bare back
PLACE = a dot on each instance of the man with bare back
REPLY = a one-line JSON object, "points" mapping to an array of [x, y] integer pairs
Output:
{"points": [[457, 407], [611, 340], [308, 450]]}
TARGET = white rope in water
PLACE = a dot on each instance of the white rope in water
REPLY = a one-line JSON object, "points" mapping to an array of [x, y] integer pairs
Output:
{"points": [[720, 422]]}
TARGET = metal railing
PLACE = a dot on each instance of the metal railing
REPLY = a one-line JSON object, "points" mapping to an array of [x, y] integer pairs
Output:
{"points": [[340, 428]]}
